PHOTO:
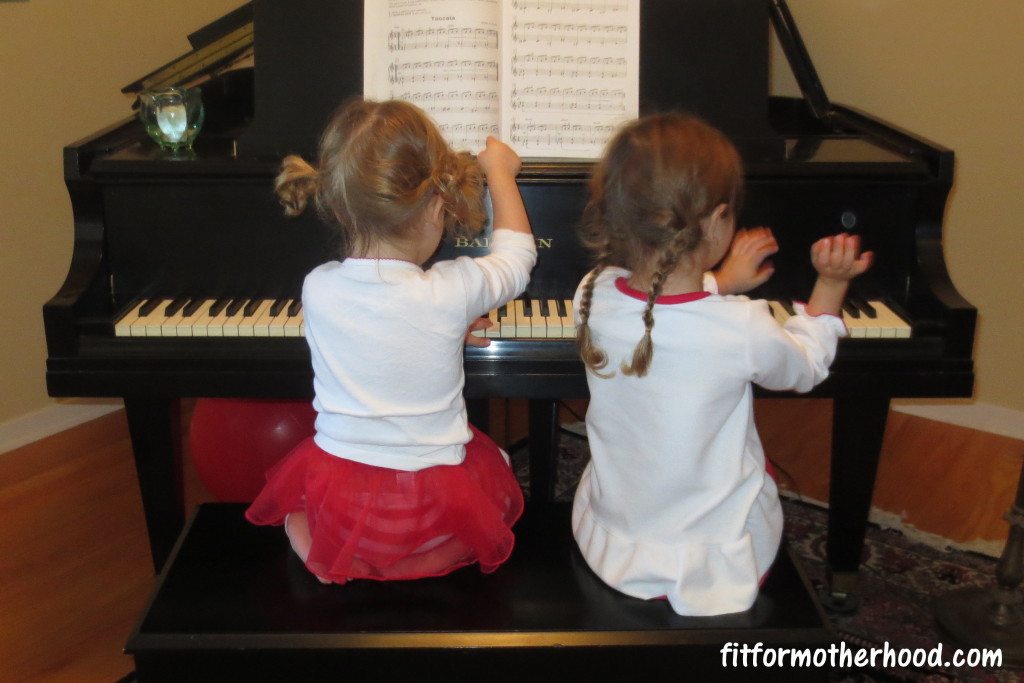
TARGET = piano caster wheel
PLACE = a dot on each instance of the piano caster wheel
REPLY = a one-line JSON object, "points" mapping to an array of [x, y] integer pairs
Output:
{"points": [[838, 602]]}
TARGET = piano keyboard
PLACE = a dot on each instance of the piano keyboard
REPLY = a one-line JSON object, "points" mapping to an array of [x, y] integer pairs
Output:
{"points": [[212, 318], [864, 319], [519, 319], [531, 319]]}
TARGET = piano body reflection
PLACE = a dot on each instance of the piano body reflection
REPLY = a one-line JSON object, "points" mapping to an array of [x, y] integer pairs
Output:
{"points": [[196, 231]]}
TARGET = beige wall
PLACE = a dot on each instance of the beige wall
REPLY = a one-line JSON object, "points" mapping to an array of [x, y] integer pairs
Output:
{"points": [[62, 67], [948, 70]]}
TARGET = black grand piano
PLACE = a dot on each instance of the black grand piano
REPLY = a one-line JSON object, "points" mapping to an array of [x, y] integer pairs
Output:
{"points": [[148, 226]]}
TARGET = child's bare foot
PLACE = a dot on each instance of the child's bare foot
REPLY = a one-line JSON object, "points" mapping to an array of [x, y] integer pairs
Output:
{"points": [[296, 527]]}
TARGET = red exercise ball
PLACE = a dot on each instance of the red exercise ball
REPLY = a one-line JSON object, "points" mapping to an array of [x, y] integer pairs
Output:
{"points": [[234, 442]]}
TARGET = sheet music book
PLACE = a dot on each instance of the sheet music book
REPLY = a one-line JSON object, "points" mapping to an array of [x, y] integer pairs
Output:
{"points": [[553, 78]]}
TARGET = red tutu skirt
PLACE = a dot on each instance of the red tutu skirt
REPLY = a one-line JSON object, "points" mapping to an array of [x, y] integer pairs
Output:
{"points": [[371, 522]]}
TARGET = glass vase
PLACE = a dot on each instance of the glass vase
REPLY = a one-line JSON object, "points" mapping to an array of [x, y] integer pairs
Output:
{"points": [[172, 116]]}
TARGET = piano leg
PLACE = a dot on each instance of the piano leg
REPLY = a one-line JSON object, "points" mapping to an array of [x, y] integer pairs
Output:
{"points": [[858, 427], [155, 428], [543, 424]]}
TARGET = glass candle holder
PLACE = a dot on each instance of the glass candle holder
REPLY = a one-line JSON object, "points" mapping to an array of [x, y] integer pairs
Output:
{"points": [[172, 116]]}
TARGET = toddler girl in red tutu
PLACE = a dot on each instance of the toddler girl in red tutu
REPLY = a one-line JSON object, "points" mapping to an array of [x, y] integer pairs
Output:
{"points": [[395, 483]]}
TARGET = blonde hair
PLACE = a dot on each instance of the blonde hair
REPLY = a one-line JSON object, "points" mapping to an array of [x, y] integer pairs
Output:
{"points": [[660, 177], [380, 164]]}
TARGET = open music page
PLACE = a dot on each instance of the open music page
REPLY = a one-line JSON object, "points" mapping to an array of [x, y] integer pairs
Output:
{"points": [[554, 78]]}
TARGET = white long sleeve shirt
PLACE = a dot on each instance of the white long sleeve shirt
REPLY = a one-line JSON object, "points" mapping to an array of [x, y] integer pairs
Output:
{"points": [[386, 340], [675, 501]]}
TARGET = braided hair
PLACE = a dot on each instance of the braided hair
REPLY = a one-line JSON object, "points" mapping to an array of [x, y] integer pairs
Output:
{"points": [[660, 178], [380, 164]]}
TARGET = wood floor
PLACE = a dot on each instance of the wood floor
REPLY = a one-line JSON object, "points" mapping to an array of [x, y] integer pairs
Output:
{"points": [[75, 570]]}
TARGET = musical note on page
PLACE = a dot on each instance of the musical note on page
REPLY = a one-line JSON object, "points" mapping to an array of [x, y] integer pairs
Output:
{"points": [[571, 6], [443, 70]]}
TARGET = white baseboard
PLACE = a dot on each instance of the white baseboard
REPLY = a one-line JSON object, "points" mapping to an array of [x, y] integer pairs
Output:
{"points": [[49, 421], [983, 417], [891, 520]]}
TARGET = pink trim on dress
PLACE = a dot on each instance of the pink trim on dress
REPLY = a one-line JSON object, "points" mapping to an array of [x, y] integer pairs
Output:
{"points": [[623, 286]]}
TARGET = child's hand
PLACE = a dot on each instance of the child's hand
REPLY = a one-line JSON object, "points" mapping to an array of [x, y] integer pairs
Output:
{"points": [[746, 266], [499, 157], [480, 324], [837, 260], [501, 165], [839, 257]]}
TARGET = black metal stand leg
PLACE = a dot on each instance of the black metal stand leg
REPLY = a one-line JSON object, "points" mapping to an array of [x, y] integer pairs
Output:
{"points": [[993, 617], [155, 428], [478, 410], [858, 427], [543, 423]]}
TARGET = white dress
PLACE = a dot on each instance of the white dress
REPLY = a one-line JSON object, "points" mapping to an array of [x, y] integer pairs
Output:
{"points": [[676, 501]]}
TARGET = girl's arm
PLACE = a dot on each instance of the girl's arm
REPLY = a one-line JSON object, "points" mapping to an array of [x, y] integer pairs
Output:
{"points": [[501, 166], [837, 260]]}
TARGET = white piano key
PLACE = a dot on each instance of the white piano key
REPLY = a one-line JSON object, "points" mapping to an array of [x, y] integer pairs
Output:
{"points": [[202, 319], [278, 322], [494, 331], [261, 318], [538, 323], [123, 326], [507, 322], [215, 327], [554, 321], [859, 327], [234, 319], [523, 329], [170, 326], [892, 324], [295, 325], [569, 320], [191, 313], [148, 324]]}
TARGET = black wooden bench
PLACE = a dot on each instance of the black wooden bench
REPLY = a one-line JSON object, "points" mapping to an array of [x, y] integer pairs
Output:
{"points": [[235, 604]]}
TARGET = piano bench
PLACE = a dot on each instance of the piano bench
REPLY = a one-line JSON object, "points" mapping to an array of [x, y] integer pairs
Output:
{"points": [[234, 603]]}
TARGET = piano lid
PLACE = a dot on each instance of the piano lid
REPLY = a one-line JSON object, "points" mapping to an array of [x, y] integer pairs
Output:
{"points": [[701, 56]]}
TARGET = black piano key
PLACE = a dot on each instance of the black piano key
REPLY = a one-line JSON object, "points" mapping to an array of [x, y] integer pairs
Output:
{"points": [[235, 306], [191, 307], [560, 307], [851, 309], [219, 305], [788, 306], [250, 307], [863, 306], [545, 309], [149, 306], [295, 307], [503, 311], [176, 305], [528, 308], [277, 306]]}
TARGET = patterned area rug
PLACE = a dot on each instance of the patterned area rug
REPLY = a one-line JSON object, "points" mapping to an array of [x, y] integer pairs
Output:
{"points": [[899, 582]]}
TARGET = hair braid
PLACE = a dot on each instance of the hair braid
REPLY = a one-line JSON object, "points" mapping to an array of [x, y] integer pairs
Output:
{"points": [[593, 356], [658, 179], [644, 351]]}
